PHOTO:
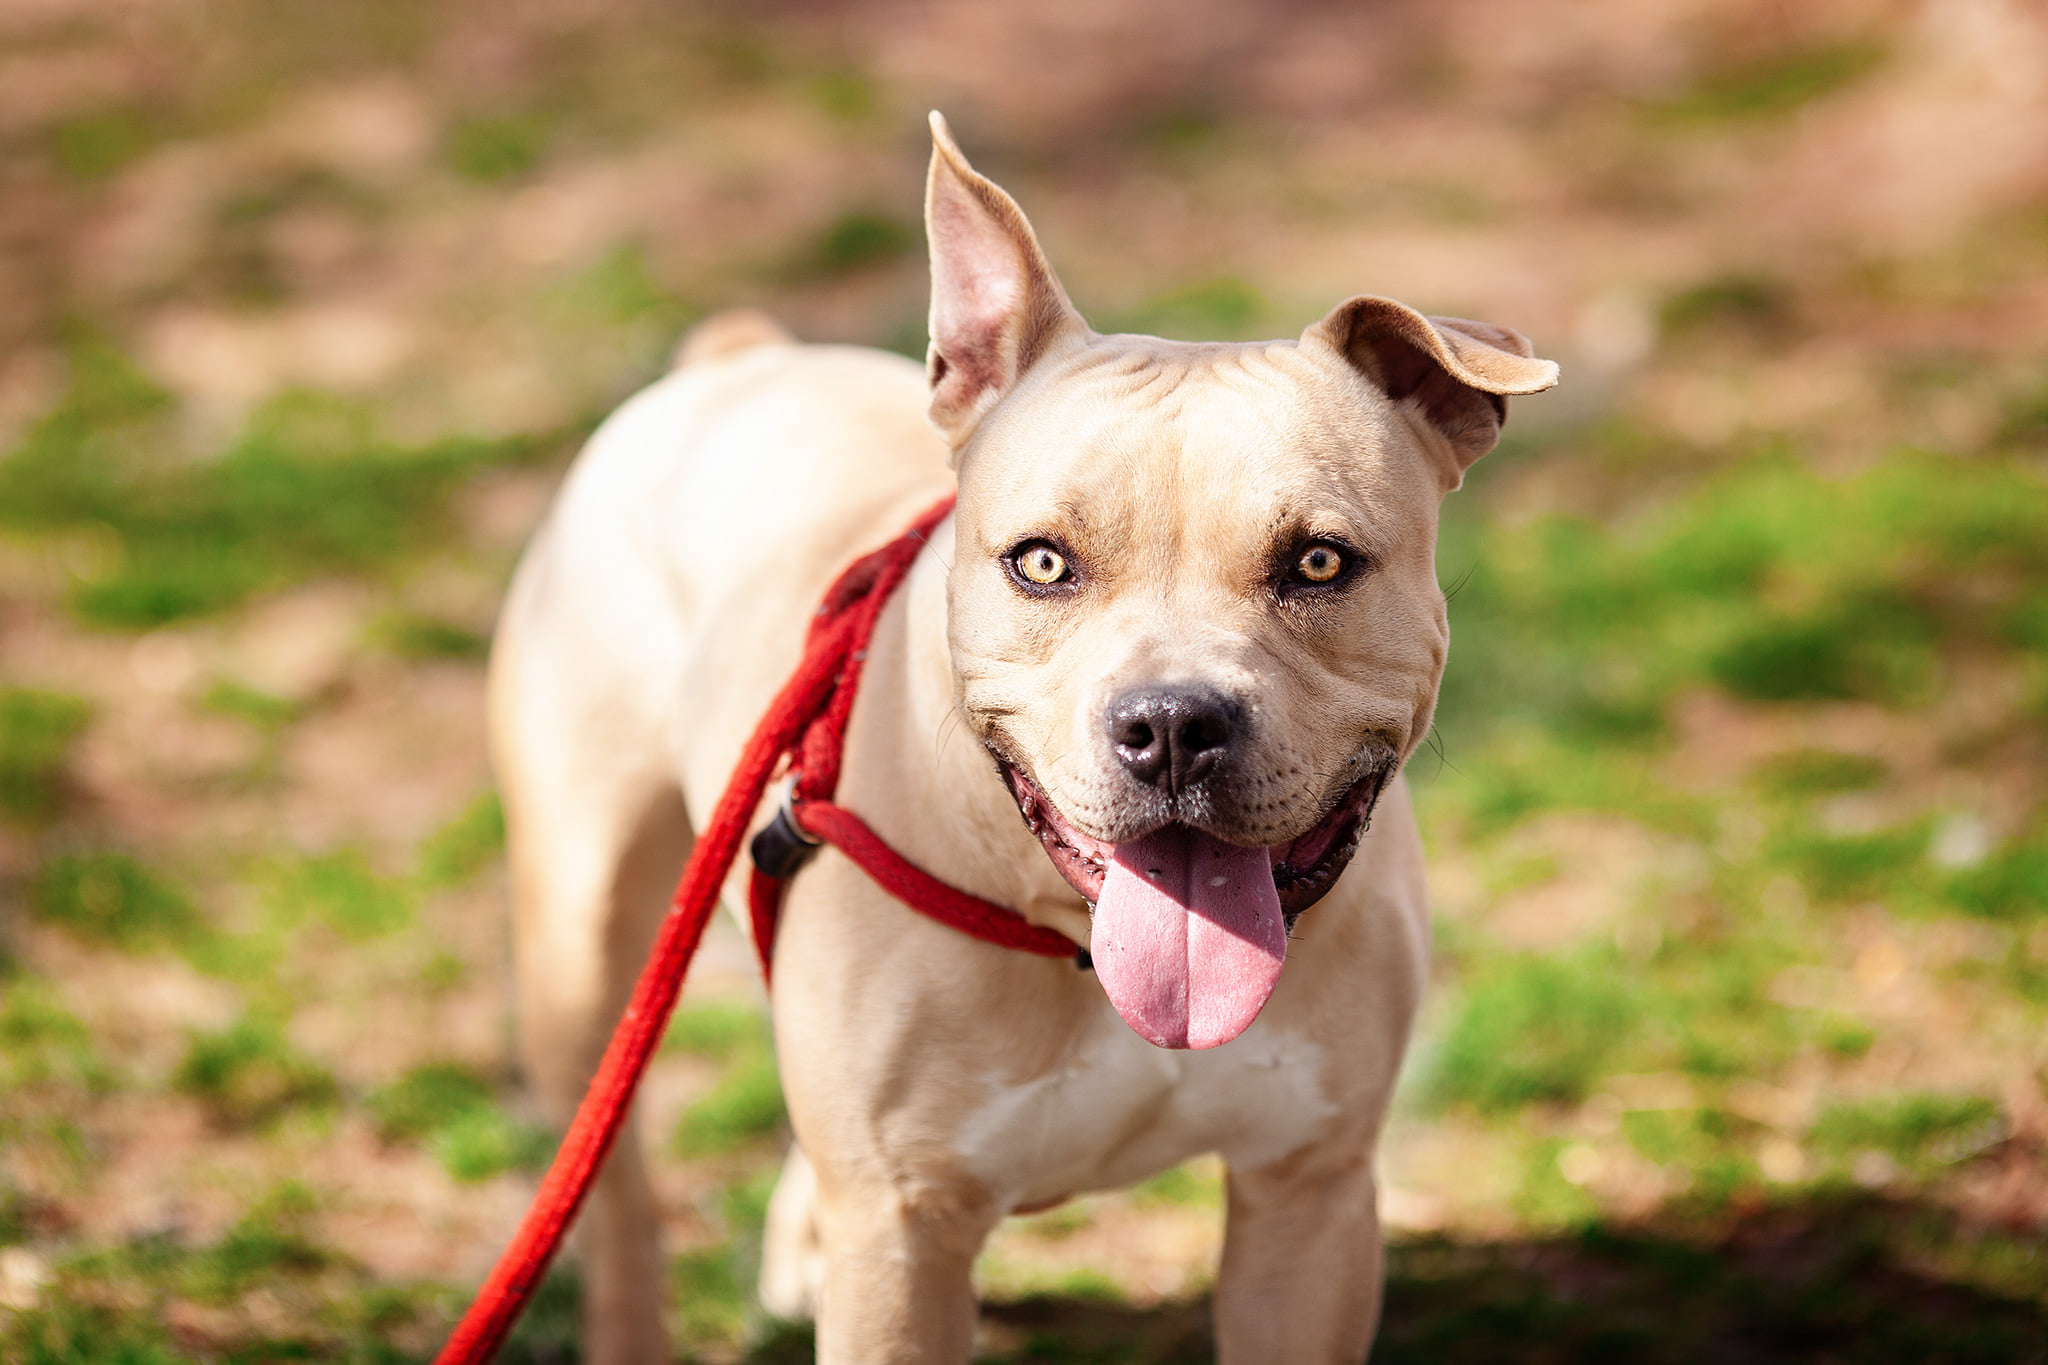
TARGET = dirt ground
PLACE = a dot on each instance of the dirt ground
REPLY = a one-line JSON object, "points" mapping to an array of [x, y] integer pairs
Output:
{"points": [[1739, 811]]}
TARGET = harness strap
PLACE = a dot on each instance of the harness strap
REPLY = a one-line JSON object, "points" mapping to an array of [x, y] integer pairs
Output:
{"points": [[805, 725], [920, 890]]}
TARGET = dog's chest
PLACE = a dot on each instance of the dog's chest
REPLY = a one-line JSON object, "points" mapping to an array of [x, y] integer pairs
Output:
{"points": [[1119, 1109]]}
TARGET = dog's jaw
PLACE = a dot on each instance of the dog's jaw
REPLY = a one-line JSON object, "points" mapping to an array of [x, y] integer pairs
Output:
{"points": [[1304, 869]]}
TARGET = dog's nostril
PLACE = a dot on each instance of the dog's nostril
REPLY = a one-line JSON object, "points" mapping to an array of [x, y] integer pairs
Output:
{"points": [[1170, 737], [1135, 735], [1202, 733]]}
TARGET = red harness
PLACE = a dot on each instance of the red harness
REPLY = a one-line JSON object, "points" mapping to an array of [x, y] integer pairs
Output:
{"points": [[807, 724]]}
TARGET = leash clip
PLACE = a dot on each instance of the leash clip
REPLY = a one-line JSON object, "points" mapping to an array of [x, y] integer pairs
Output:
{"points": [[783, 846]]}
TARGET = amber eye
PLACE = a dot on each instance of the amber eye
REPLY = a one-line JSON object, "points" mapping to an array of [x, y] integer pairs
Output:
{"points": [[1319, 564], [1039, 563]]}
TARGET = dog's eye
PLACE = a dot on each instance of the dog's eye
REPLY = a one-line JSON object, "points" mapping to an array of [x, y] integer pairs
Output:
{"points": [[1319, 563], [1039, 563]]}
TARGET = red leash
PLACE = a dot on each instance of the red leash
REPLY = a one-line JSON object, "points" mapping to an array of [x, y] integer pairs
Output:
{"points": [[807, 723]]}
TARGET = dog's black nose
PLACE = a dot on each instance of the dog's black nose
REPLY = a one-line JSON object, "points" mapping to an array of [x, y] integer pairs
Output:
{"points": [[1171, 737]]}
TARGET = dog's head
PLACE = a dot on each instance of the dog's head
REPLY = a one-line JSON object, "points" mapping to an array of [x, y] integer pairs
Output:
{"points": [[1194, 612]]}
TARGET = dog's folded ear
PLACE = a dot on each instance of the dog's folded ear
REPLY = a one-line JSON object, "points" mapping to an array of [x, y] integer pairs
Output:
{"points": [[1458, 373], [996, 305]]}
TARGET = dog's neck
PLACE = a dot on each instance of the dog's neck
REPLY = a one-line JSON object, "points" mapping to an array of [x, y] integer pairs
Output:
{"points": [[922, 780]]}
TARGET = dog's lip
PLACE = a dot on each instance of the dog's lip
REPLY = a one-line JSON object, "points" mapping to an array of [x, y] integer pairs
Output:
{"points": [[1304, 868]]}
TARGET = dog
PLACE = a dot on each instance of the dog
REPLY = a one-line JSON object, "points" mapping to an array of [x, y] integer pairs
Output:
{"points": [[1150, 685]]}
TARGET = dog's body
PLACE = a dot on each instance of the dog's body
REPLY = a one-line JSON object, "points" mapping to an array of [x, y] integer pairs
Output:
{"points": [[1168, 694]]}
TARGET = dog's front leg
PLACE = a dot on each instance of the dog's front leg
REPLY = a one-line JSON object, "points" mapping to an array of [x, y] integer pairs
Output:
{"points": [[1302, 1261], [898, 1263]]}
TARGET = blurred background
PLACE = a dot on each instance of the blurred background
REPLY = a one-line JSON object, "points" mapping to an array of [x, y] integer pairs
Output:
{"points": [[1736, 802]]}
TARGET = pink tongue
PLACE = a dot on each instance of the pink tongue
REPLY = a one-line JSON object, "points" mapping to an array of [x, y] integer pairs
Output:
{"points": [[1188, 937]]}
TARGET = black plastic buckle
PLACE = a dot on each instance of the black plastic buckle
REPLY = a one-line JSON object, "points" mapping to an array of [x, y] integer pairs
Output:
{"points": [[782, 847]]}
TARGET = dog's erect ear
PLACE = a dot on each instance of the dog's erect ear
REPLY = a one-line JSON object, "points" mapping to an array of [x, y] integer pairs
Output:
{"points": [[996, 305], [1459, 373]]}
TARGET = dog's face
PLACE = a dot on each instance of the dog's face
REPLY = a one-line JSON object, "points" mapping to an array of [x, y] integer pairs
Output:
{"points": [[1194, 612]]}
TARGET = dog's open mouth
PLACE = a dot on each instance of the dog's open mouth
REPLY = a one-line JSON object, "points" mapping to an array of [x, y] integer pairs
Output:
{"points": [[1190, 932]]}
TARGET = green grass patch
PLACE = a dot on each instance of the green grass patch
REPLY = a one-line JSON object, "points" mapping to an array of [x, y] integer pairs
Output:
{"points": [[745, 1105], [465, 846], [712, 1301], [859, 240], [620, 288], [1918, 1130], [99, 142], [1184, 1186], [1747, 303], [42, 1043], [67, 1333], [1819, 772], [2012, 884], [250, 1073], [495, 148], [1709, 1145], [1546, 1029], [1772, 85], [270, 1242], [265, 711], [848, 96], [746, 1102], [720, 1029], [427, 1099], [410, 635], [455, 1114], [114, 899], [341, 891], [1534, 1030], [485, 1142], [1769, 582], [310, 487], [1209, 311], [1874, 645], [37, 730], [1846, 867], [1526, 772], [268, 1291]]}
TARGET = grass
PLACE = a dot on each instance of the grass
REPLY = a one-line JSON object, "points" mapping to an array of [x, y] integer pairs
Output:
{"points": [[855, 241], [113, 899], [1769, 582], [1756, 304], [745, 1103], [100, 142], [265, 1290], [1535, 1030], [1917, 1130], [310, 487], [719, 1029], [454, 1113], [37, 730], [341, 891], [266, 712], [494, 148], [250, 1074], [42, 1044], [413, 636], [1773, 84], [1206, 311], [458, 851]]}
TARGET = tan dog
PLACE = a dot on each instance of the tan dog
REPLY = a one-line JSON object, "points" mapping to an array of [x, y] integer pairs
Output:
{"points": [[1185, 621]]}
